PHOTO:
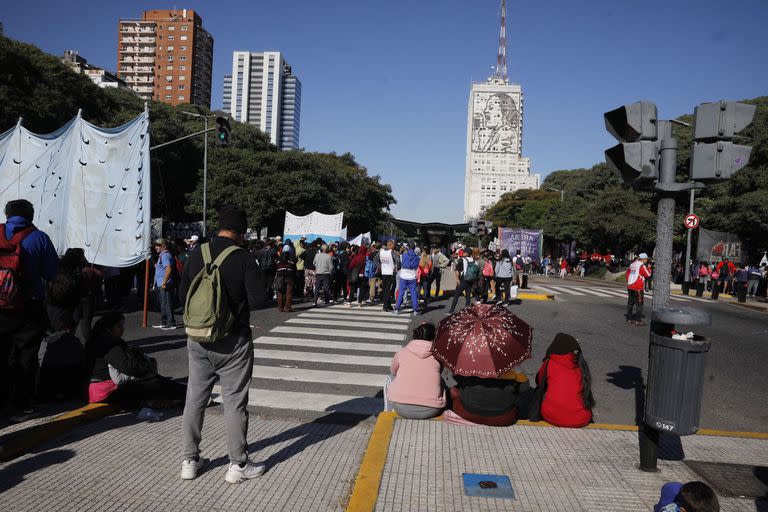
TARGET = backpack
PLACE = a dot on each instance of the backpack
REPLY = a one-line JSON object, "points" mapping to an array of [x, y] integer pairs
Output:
{"points": [[471, 270], [266, 261], [370, 268], [207, 315], [488, 269], [12, 294]]}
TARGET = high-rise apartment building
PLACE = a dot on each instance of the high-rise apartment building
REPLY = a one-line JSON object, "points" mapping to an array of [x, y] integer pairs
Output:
{"points": [[495, 162], [263, 91], [167, 56]]}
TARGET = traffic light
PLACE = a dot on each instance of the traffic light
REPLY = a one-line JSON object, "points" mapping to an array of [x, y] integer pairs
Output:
{"points": [[223, 130], [638, 131], [713, 156]]}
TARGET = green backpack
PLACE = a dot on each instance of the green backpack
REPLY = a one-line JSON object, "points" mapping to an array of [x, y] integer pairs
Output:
{"points": [[471, 270], [207, 315]]}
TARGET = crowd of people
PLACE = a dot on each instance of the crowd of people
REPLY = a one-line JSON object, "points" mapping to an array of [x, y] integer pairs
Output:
{"points": [[727, 277]]}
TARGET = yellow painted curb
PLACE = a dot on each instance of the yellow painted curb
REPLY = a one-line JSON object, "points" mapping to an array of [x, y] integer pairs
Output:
{"points": [[750, 306], [536, 296], [23, 441], [366, 490]]}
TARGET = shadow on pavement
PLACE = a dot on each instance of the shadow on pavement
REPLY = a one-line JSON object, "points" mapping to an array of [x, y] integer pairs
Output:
{"points": [[14, 474]]}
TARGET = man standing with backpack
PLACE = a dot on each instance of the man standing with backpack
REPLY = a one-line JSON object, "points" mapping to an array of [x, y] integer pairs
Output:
{"points": [[469, 272], [409, 266], [27, 257], [220, 283]]}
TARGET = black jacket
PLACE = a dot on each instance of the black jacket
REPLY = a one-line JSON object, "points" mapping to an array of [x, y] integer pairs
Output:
{"points": [[106, 350], [239, 274], [487, 397]]}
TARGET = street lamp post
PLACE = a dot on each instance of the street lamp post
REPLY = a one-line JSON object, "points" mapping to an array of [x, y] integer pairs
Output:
{"points": [[205, 167], [562, 193]]}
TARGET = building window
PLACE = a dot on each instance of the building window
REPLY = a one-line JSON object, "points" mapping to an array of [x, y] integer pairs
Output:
{"points": [[169, 77], [182, 77], [182, 68], [171, 27], [183, 38], [183, 57], [170, 58], [170, 48], [183, 48], [170, 38], [168, 87], [168, 96], [184, 28], [181, 97], [167, 67], [182, 87]]}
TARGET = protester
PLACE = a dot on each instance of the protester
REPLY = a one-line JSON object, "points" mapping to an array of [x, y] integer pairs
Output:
{"points": [[126, 376], [192, 243], [164, 284], [690, 497], [298, 287], [568, 400], [439, 263], [753, 282], [388, 263], [340, 275], [371, 274], [309, 269], [505, 272], [488, 401], [637, 273], [323, 264], [563, 268], [725, 270], [27, 257], [71, 295], [356, 280], [468, 272], [487, 275], [410, 265], [422, 276], [284, 278], [228, 360], [415, 389]]}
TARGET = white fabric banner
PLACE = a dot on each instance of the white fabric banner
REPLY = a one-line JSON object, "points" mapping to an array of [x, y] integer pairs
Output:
{"points": [[361, 239], [315, 223], [89, 186]]}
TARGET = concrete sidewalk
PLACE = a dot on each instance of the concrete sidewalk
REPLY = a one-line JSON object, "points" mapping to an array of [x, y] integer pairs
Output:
{"points": [[551, 469], [117, 463]]}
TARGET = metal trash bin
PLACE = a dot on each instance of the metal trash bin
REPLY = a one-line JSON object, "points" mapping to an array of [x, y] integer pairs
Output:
{"points": [[676, 373]]}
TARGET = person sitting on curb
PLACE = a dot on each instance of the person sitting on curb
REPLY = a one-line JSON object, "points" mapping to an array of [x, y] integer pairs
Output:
{"points": [[690, 497], [415, 389], [124, 375], [568, 399], [486, 401]]}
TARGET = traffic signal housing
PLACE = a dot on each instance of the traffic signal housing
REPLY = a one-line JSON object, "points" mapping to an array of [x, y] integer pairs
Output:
{"points": [[638, 130], [714, 157], [223, 130]]}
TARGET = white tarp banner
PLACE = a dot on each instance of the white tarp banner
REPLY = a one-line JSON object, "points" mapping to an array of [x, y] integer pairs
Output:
{"points": [[313, 225], [361, 239], [89, 186]]}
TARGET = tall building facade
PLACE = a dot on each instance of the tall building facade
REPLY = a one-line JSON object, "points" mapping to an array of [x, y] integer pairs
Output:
{"points": [[263, 91], [167, 56], [495, 163]]}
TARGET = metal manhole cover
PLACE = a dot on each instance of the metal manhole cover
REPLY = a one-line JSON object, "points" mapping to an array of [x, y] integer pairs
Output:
{"points": [[733, 480]]}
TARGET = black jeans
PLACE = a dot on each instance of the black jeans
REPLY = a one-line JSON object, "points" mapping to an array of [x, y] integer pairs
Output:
{"points": [[358, 289], [21, 333], [132, 393], [323, 283], [387, 287], [503, 285], [635, 299], [466, 287]]}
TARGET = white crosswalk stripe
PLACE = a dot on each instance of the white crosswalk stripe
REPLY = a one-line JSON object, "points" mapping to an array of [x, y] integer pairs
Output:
{"points": [[605, 292], [598, 293], [326, 359]]}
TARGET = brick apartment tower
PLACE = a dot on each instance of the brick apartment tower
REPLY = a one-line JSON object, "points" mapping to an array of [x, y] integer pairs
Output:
{"points": [[167, 56]]}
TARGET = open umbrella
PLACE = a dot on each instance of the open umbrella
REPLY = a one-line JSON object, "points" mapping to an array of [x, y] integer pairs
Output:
{"points": [[482, 340]]}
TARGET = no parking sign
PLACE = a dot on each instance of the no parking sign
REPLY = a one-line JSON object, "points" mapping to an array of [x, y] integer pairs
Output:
{"points": [[691, 221]]}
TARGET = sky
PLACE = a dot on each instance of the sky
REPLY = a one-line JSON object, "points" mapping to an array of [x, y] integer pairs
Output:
{"points": [[389, 81]]}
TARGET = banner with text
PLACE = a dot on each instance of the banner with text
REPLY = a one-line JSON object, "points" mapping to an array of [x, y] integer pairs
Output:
{"points": [[527, 241], [716, 245]]}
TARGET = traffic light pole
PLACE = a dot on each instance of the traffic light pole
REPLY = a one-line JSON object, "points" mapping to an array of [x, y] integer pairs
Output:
{"points": [[205, 178], [687, 278]]}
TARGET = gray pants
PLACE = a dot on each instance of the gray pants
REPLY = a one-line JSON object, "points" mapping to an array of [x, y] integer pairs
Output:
{"points": [[415, 412], [231, 360]]}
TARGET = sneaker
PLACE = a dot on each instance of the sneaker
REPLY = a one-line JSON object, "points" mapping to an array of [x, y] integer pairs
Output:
{"points": [[25, 415], [348, 304], [158, 326], [359, 304], [417, 313], [395, 312], [149, 414], [169, 327], [236, 474], [191, 468]]}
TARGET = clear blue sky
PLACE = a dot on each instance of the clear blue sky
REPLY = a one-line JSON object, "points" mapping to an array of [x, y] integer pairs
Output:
{"points": [[389, 81]]}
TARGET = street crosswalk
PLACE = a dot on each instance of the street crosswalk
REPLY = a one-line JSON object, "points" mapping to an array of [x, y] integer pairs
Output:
{"points": [[582, 291], [326, 359]]}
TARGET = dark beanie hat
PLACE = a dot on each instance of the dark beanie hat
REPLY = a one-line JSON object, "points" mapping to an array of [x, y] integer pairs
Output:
{"points": [[233, 219], [563, 344], [20, 208]]}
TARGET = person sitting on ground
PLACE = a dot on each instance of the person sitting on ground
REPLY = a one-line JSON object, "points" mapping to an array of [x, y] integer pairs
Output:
{"points": [[124, 375], [415, 389], [487, 401], [690, 497], [568, 399]]}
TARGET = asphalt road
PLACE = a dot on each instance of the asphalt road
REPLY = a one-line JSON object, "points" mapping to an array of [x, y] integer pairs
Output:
{"points": [[310, 360]]}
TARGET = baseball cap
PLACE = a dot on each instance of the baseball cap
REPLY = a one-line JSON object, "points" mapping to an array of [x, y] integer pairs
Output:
{"points": [[643, 256]]}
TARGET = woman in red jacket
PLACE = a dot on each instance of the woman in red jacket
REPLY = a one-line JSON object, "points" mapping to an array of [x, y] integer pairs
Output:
{"points": [[568, 399]]}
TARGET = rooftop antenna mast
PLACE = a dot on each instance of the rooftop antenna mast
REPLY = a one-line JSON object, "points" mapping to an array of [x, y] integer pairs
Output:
{"points": [[501, 62]]}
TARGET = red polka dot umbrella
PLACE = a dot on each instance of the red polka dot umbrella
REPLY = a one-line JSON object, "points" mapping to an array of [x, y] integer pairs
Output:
{"points": [[482, 340]]}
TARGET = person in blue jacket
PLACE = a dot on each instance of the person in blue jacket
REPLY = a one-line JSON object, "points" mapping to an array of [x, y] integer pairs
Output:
{"points": [[409, 265], [23, 324]]}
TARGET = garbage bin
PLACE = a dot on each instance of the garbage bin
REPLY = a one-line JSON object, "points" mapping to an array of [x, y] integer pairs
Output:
{"points": [[675, 373], [715, 289], [524, 285]]}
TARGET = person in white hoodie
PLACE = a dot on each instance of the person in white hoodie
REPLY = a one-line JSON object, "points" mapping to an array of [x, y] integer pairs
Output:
{"points": [[415, 389]]}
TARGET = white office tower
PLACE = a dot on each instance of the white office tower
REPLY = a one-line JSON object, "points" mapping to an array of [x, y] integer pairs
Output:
{"points": [[495, 164], [264, 92]]}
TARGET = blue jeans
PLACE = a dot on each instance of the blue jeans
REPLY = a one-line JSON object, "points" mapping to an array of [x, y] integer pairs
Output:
{"points": [[409, 284], [166, 305]]}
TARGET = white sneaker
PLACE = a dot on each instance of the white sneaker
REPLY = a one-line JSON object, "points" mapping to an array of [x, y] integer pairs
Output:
{"points": [[149, 414], [191, 468], [348, 304], [236, 474]]}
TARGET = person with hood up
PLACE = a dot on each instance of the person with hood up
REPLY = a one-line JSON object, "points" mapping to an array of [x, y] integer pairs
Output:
{"points": [[568, 399], [410, 264], [415, 389], [505, 272], [356, 277]]}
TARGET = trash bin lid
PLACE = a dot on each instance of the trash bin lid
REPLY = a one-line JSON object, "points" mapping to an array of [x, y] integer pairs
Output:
{"points": [[682, 316]]}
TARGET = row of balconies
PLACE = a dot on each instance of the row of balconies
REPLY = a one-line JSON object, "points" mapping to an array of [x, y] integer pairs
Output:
{"points": [[139, 40], [147, 60], [138, 49]]}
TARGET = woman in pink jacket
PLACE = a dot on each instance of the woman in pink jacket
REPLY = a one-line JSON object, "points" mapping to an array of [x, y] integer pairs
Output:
{"points": [[415, 389]]}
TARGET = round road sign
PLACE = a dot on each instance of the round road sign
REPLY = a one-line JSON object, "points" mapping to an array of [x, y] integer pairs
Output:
{"points": [[691, 221]]}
